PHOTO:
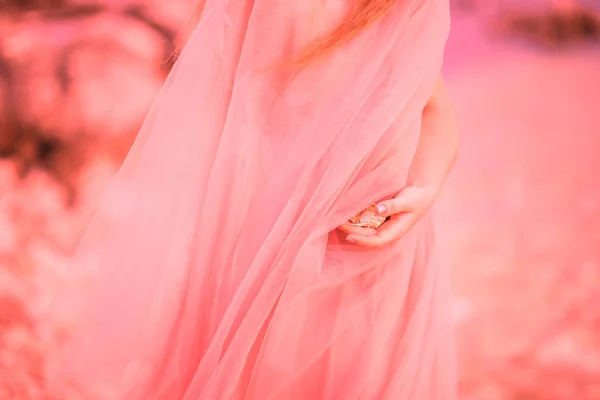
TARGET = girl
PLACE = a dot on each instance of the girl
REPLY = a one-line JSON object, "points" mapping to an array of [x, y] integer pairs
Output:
{"points": [[234, 259]]}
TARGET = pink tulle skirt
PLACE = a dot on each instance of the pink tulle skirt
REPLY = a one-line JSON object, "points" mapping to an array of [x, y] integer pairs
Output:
{"points": [[218, 270]]}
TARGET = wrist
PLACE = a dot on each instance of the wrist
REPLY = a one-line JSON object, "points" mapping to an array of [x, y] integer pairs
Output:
{"points": [[427, 192], [430, 188]]}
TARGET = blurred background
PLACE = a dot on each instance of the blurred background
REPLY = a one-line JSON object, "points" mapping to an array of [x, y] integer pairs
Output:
{"points": [[521, 212]]}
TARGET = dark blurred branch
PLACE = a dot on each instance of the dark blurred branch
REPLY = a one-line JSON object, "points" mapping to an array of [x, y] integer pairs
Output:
{"points": [[563, 24], [28, 5], [168, 34], [8, 115], [28, 144]]}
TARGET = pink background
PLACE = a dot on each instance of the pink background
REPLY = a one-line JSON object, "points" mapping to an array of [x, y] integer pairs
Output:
{"points": [[520, 212]]}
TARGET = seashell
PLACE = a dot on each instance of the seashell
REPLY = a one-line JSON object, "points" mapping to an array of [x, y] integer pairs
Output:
{"points": [[368, 218]]}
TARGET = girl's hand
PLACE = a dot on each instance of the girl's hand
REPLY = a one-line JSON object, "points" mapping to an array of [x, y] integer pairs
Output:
{"points": [[404, 211]]}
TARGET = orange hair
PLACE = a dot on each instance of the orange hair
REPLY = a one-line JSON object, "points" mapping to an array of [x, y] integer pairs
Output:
{"points": [[362, 14]]}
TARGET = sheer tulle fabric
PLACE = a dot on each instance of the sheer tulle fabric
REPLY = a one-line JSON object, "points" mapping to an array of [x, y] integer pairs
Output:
{"points": [[220, 274]]}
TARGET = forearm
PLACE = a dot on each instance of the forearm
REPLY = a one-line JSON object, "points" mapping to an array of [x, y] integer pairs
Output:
{"points": [[438, 143]]}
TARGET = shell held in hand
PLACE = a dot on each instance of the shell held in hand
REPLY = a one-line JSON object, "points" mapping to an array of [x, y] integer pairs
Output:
{"points": [[368, 218]]}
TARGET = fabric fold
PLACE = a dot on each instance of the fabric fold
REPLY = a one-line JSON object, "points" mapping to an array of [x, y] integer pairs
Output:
{"points": [[217, 270]]}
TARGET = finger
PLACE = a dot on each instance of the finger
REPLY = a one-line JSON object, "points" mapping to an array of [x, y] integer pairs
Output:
{"points": [[399, 204], [388, 233], [397, 227], [350, 228]]}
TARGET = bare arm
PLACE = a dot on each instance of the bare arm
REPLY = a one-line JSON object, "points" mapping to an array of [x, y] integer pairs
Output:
{"points": [[434, 157], [438, 142]]}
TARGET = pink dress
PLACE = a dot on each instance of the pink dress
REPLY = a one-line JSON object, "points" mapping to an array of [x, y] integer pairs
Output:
{"points": [[220, 273]]}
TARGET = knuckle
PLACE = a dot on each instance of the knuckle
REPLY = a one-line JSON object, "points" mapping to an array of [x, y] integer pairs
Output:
{"points": [[345, 229], [392, 207], [384, 241], [392, 239]]}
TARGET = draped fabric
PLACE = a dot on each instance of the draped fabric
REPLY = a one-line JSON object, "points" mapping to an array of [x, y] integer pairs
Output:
{"points": [[218, 269]]}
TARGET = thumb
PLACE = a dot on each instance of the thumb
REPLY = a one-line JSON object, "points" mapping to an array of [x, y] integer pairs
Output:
{"points": [[397, 205]]}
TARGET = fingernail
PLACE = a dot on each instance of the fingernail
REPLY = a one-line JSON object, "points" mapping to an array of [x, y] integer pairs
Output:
{"points": [[350, 239], [380, 209]]}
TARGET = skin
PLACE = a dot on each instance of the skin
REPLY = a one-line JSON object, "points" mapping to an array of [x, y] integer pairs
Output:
{"points": [[435, 155]]}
